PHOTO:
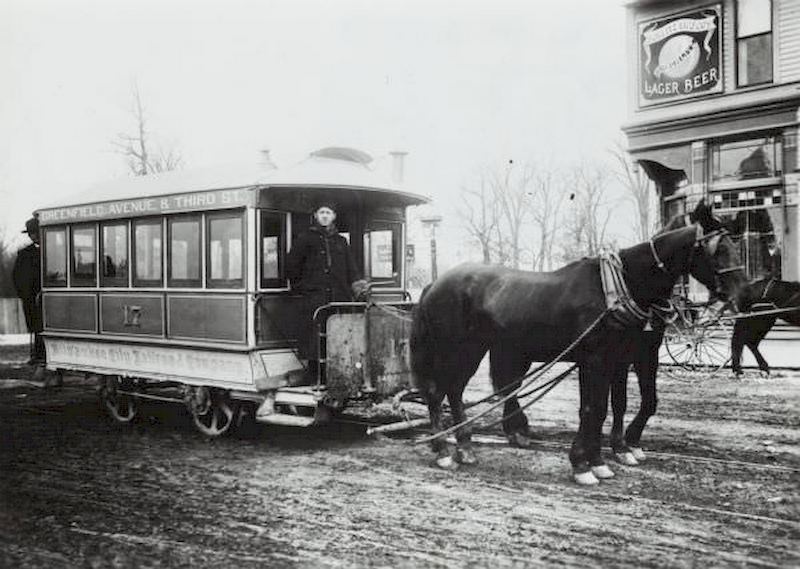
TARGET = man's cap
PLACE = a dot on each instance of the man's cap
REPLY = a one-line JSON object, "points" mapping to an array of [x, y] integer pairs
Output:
{"points": [[31, 226], [330, 204]]}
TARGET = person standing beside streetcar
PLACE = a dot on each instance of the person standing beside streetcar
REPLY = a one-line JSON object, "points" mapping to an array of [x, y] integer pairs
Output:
{"points": [[28, 284], [321, 267]]}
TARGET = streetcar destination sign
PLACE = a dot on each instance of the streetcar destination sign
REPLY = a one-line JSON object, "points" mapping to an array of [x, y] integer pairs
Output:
{"points": [[176, 203]]}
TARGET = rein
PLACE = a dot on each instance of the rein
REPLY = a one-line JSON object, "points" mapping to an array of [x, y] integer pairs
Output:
{"points": [[529, 379]]}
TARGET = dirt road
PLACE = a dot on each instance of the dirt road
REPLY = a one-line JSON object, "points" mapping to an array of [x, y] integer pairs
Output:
{"points": [[77, 490]]}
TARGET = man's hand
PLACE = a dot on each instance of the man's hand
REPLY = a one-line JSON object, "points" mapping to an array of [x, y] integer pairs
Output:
{"points": [[361, 290]]}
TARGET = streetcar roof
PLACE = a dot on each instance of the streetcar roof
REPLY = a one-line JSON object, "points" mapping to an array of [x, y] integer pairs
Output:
{"points": [[330, 168]]}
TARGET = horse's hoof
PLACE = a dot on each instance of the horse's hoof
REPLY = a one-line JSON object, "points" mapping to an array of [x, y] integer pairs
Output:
{"points": [[626, 458], [446, 463], [520, 440], [602, 472], [466, 456], [585, 478], [638, 454]]}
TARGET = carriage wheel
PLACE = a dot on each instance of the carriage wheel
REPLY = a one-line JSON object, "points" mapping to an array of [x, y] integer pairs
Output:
{"points": [[699, 347], [123, 408], [214, 413]]}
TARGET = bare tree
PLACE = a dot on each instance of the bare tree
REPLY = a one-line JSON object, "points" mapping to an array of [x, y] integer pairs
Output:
{"points": [[586, 225], [142, 155], [640, 190], [480, 215], [8, 255], [512, 189], [547, 198]]}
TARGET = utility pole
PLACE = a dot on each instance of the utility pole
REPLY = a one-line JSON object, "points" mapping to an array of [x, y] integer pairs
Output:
{"points": [[432, 221]]}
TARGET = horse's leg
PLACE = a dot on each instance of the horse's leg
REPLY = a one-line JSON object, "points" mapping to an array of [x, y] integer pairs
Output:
{"points": [[584, 455], [767, 325], [471, 359], [439, 446], [619, 404], [762, 363], [507, 368], [646, 367], [737, 345]]}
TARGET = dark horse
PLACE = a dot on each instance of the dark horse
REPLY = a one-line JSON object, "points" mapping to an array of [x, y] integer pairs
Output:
{"points": [[521, 317], [763, 295], [627, 447]]}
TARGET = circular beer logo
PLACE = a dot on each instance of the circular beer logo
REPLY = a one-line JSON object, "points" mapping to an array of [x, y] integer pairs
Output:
{"points": [[679, 56]]}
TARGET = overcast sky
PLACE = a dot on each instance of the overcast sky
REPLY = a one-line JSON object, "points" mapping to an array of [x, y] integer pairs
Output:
{"points": [[458, 85]]}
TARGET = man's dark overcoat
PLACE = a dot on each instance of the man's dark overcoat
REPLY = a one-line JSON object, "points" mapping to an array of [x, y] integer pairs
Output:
{"points": [[321, 267]]}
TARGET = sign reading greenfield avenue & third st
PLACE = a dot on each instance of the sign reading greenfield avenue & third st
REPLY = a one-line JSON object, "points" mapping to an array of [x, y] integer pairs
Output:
{"points": [[215, 199]]}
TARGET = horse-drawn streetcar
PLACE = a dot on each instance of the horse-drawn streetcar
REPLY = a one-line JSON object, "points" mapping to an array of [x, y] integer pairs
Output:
{"points": [[175, 287]]}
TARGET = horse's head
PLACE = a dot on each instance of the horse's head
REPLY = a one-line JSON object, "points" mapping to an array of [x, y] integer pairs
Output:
{"points": [[715, 260]]}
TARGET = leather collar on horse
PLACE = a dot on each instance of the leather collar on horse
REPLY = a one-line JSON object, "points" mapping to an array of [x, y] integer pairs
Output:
{"points": [[625, 312]]}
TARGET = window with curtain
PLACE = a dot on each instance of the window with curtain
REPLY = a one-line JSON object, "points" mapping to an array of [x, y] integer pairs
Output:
{"points": [[184, 252], [225, 251], [147, 253], [55, 257], [273, 248], [753, 42], [114, 266], [84, 259]]}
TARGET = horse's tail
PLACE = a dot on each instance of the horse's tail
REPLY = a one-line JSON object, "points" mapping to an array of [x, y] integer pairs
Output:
{"points": [[422, 345]]}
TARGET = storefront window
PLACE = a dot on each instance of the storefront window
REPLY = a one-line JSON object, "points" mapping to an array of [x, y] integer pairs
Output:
{"points": [[754, 42], [114, 270], [746, 159], [55, 257], [225, 251], [759, 233], [84, 262], [147, 252]]}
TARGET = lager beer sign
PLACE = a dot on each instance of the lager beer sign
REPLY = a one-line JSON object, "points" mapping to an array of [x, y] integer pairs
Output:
{"points": [[679, 56]]}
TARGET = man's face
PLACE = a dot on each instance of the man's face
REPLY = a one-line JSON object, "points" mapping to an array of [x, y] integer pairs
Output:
{"points": [[34, 237], [325, 216]]}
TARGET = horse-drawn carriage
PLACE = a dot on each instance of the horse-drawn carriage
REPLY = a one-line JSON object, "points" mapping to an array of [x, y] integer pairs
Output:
{"points": [[173, 287]]}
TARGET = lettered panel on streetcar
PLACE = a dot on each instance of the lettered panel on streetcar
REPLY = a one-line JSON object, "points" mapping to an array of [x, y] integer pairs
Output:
{"points": [[137, 314]]}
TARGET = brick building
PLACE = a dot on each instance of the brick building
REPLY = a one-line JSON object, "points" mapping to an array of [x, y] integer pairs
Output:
{"points": [[714, 108]]}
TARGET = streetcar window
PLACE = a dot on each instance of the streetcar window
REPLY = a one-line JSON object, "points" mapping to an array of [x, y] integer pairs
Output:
{"points": [[273, 247], [84, 261], [225, 251], [184, 252], [114, 271], [147, 254], [55, 257], [382, 253]]}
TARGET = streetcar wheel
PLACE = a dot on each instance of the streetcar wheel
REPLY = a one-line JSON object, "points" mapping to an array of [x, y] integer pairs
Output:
{"points": [[214, 413], [121, 407]]}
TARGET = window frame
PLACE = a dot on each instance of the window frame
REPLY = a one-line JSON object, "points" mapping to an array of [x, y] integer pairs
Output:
{"points": [[74, 281], [281, 282], [397, 251], [185, 283], [46, 283], [147, 283], [737, 39], [206, 239], [115, 282]]}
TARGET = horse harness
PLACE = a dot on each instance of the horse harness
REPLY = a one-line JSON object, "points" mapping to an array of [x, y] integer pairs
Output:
{"points": [[625, 312]]}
